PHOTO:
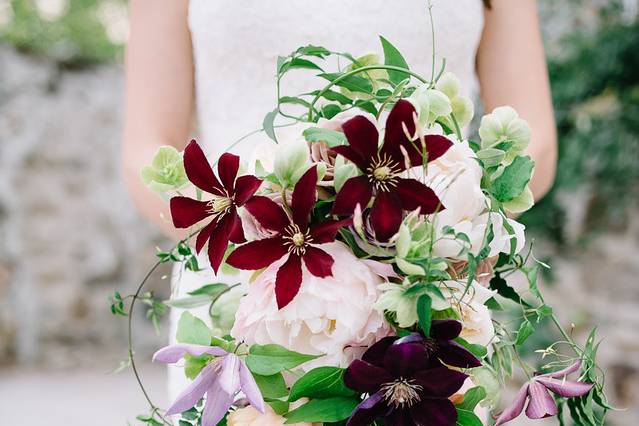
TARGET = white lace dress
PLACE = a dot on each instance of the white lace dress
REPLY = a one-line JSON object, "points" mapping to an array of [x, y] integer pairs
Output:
{"points": [[236, 45]]}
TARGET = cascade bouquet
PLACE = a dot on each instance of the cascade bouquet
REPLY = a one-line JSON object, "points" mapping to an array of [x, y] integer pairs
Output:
{"points": [[371, 243]]}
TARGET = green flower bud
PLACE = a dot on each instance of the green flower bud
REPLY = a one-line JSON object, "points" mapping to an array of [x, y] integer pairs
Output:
{"points": [[503, 129], [166, 171], [430, 105], [449, 84]]}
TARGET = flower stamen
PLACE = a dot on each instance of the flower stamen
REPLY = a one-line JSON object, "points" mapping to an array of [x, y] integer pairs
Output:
{"points": [[296, 240], [402, 393], [220, 205], [383, 173]]}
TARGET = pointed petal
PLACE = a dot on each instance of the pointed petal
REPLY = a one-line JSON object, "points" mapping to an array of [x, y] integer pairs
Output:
{"points": [[288, 280], [375, 354], [386, 216], [219, 242], [186, 211], [434, 412], [195, 391], [415, 194], [268, 213], [566, 371], [362, 136], [217, 404], [368, 410], [204, 235], [364, 377], [236, 232], [515, 409], [318, 262], [325, 232], [199, 170], [356, 190], [541, 404], [304, 197], [250, 388], [454, 354], [227, 168], [229, 377], [351, 155], [400, 118], [440, 382], [245, 187], [445, 329], [399, 417], [402, 360], [173, 353], [257, 254], [565, 388], [436, 146]]}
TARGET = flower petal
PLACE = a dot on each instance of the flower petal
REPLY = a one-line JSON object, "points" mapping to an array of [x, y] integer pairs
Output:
{"points": [[356, 190], [204, 235], [515, 409], [386, 216], [368, 410], [236, 232], [434, 412], [195, 391], [401, 118], [199, 170], [217, 404], [268, 213], [257, 254], [186, 211], [318, 262], [454, 354], [541, 404], [304, 197], [565, 388], [288, 280], [227, 168], [445, 329], [415, 194], [364, 377], [566, 371], [440, 382], [250, 388], [362, 136], [219, 242], [245, 187], [173, 353], [351, 155], [375, 354], [403, 359], [436, 146], [229, 377], [325, 232]]}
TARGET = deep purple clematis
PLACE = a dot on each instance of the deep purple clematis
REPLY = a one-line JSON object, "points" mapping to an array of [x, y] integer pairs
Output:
{"points": [[403, 388], [221, 380], [294, 237], [383, 169], [540, 403], [228, 193]]}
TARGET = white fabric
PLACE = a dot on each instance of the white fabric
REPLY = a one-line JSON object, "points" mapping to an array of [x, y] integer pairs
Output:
{"points": [[236, 45]]}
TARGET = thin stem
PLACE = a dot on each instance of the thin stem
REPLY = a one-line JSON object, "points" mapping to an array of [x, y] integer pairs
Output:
{"points": [[432, 29]]}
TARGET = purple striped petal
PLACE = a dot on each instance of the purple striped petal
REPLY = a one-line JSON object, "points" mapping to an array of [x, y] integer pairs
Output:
{"points": [[566, 371], [195, 391], [515, 408], [565, 388], [229, 379], [250, 388], [173, 353], [541, 403], [217, 404]]}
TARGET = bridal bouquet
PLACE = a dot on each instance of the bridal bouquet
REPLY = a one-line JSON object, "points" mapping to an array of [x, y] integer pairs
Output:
{"points": [[368, 243]]}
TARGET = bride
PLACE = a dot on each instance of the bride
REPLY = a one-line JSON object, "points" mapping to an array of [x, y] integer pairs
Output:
{"points": [[218, 57]]}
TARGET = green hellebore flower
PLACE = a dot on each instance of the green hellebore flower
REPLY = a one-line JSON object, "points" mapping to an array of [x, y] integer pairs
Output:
{"points": [[430, 105], [166, 171], [292, 160], [462, 107], [503, 129], [449, 84], [404, 305]]}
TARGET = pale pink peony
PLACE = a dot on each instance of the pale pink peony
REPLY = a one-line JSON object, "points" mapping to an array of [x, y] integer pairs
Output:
{"points": [[249, 416], [332, 316]]}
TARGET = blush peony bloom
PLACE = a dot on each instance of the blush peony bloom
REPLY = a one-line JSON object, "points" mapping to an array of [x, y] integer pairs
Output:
{"points": [[477, 324], [332, 315], [249, 416]]}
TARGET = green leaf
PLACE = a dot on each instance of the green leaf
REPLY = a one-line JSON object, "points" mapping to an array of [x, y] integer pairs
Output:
{"points": [[312, 50], [478, 350], [192, 330], [280, 407], [331, 137], [294, 100], [467, 418], [303, 63], [194, 364], [323, 410], [321, 382], [333, 96], [353, 83], [526, 329], [394, 58], [512, 182], [189, 302], [330, 110], [504, 290], [268, 124], [424, 304], [472, 397], [272, 387], [212, 290], [267, 360]]}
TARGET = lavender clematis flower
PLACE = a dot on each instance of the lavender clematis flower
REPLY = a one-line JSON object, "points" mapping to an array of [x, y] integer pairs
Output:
{"points": [[540, 403], [221, 381]]}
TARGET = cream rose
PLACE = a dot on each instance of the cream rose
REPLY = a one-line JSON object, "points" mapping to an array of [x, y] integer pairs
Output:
{"points": [[249, 416], [333, 316], [477, 324]]}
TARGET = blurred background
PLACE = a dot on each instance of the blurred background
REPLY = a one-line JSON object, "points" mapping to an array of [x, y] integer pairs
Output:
{"points": [[66, 222]]}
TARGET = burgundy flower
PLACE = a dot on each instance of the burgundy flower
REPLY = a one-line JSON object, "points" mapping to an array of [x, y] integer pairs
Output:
{"points": [[382, 169], [294, 238], [403, 389], [228, 193]]}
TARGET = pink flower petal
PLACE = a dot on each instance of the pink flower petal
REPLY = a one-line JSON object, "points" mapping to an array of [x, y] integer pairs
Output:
{"points": [[199, 170], [304, 197], [515, 409], [229, 377], [173, 353], [195, 391], [541, 404], [288, 280], [250, 388], [566, 371], [565, 388]]}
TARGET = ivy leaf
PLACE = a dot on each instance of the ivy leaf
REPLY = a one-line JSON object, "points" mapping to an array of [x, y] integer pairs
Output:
{"points": [[512, 182], [271, 387], [268, 124], [321, 382], [424, 304], [323, 410], [331, 137], [301, 63], [267, 360], [192, 330], [394, 58], [353, 83]]}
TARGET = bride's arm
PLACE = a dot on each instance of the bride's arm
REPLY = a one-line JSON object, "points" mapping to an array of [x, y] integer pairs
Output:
{"points": [[159, 94], [512, 71]]}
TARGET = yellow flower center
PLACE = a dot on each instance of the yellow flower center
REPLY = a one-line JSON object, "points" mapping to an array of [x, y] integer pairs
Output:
{"points": [[383, 173], [295, 239], [220, 205]]}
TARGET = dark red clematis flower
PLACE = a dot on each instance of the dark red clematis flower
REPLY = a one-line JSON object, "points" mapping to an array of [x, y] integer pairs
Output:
{"points": [[294, 237], [228, 193], [402, 386], [382, 169]]}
